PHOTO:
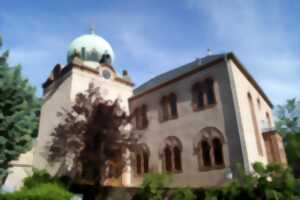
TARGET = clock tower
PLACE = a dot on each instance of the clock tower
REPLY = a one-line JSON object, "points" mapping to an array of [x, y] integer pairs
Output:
{"points": [[89, 60]]}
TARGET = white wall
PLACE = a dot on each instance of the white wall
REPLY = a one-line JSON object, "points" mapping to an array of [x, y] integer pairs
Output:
{"points": [[242, 86]]}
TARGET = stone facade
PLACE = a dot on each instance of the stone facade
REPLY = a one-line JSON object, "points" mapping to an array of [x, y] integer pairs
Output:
{"points": [[233, 118]]}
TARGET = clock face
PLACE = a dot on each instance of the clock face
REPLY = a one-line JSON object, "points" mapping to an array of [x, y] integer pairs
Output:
{"points": [[106, 74]]}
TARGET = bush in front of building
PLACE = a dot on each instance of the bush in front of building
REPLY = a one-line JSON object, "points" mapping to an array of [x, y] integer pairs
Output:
{"points": [[271, 182], [39, 186], [153, 187], [45, 191]]}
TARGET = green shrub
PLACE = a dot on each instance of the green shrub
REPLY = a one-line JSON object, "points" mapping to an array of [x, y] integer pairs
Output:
{"points": [[153, 186], [45, 191], [183, 194], [271, 182], [38, 177]]}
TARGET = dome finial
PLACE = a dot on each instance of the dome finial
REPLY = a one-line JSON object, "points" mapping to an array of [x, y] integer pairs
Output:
{"points": [[92, 30]]}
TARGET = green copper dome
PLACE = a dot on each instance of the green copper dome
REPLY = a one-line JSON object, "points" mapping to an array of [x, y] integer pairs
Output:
{"points": [[91, 47]]}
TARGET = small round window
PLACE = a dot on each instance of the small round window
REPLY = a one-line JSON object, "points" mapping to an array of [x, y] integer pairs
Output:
{"points": [[106, 74]]}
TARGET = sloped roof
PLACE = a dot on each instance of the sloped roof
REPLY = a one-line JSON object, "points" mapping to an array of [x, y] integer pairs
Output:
{"points": [[174, 73], [199, 63]]}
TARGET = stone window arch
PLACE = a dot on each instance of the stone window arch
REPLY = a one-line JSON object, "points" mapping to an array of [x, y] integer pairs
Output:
{"points": [[203, 94], [172, 150], [142, 156], [209, 147]]}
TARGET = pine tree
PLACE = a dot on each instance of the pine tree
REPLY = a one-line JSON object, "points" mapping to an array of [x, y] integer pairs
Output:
{"points": [[19, 109]]}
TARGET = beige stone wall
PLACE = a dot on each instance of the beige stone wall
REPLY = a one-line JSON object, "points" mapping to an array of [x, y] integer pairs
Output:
{"points": [[20, 169], [54, 100], [188, 125], [241, 87]]}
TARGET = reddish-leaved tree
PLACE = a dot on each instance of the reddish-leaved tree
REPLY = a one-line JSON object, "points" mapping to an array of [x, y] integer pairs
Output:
{"points": [[91, 139]]}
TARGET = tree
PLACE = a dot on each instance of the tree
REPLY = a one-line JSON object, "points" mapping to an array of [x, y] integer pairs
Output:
{"points": [[91, 139], [288, 124], [19, 109]]}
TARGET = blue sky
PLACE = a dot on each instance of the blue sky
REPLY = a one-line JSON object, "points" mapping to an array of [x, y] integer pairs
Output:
{"points": [[150, 37]]}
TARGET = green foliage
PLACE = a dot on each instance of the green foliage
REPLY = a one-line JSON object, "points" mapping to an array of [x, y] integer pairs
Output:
{"points": [[271, 182], [183, 194], [288, 118], [288, 124], [38, 177], [19, 108], [39, 186], [153, 186], [45, 191]]}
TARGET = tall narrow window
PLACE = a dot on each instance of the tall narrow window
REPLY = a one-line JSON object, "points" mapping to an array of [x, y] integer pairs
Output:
{"points": [[173, 105], [218, 151], [146, 162], [141, 117], [139, 163], [209, 84], [168, 159], [137, 117], [255, 125], [144, 116], [200, 99], [205, 147], [177, 158], [142, 160], [172, 155], [164, 108], [269, 119]]}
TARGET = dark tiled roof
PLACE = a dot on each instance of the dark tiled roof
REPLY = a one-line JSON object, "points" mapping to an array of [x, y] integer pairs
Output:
{"points": [[174, 73], [197, 64]]}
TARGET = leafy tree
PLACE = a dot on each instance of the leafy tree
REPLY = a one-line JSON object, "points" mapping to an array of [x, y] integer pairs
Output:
{"points": [[288, 124], [92, 139], [19, 108]]}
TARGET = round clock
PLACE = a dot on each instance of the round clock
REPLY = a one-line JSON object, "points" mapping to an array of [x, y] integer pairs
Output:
{"points": [[106, 74]]}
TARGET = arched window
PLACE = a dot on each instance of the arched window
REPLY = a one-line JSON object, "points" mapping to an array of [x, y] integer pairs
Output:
{"points": [[173, 105], [172, 155], [210, 94], [203, 94], [255, 125], [205, 147], [142, 159], [168, 159], [177, 158], [209, 146], [218, 151], [169, 107]]}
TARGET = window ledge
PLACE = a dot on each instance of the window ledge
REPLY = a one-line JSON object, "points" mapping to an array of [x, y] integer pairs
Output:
{"points": [[205, 108]]}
